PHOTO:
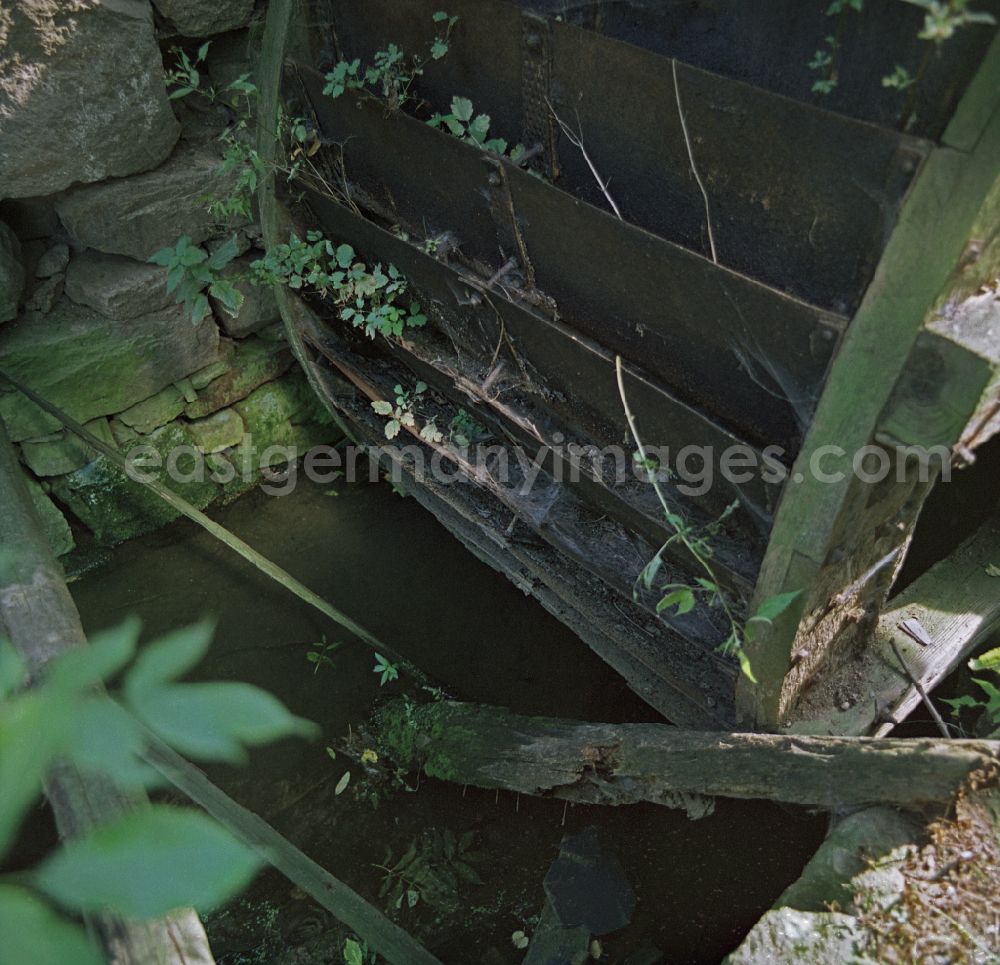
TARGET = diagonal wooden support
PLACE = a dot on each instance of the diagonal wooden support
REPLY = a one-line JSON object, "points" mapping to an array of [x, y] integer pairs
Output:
{"points": [[919, 343], [956, 603]]}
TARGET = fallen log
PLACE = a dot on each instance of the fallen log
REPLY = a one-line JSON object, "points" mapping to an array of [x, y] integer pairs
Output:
{"points": [[38, 616], [490, 747]]}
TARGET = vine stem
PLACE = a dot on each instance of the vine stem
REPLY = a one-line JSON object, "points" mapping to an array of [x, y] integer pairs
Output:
{"points": [[694, 167], [668, 512]]}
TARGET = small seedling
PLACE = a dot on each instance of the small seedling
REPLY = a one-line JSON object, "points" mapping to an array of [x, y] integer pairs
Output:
{"points": [[402, 413], [320, 654], [392, 72], [389, 671]]}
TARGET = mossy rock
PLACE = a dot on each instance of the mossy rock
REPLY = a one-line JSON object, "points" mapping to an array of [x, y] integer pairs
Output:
{"points": [[116, 508], [54, 525]]}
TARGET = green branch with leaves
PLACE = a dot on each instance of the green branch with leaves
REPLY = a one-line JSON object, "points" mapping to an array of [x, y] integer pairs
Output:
{"points": [[706, 589]]}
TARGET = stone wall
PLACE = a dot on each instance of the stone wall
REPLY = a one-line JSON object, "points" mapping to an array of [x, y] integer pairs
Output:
{"points": [[99, 169]]}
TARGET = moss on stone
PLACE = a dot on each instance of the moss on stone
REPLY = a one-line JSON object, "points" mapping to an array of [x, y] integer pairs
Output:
{"points": [[116, 508]]}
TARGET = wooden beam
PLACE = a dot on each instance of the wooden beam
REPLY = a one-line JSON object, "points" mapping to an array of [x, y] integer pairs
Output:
{"points": [[956, 602], [841, 542], [490, 747], [949, 393]]}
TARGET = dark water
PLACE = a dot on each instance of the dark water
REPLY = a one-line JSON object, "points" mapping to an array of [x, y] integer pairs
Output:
{"points": [[700, 885]]}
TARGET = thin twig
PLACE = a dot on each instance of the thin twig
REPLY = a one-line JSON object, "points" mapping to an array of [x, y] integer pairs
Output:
{"points": [[941, 725], [577, 141], [694, 167]]}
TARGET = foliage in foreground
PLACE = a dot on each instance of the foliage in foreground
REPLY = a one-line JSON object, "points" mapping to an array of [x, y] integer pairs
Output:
{"points": [[157, 858]]}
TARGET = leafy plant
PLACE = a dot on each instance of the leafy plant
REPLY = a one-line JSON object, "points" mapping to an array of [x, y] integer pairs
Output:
{"points": [[392, 72], [900, 78], [683, 597], [184, 77], [431, 870], [464, 430], [942, 19], [152, 860], [388, 671], [370, 299], [402, 413], [990, 707], [320, 654], [194, 275], [823, 60], [357, 953], [475, 130]]}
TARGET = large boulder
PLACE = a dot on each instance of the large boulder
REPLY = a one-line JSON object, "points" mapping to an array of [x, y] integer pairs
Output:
{"points": [[11, 273], [137, 216], [91, 366], [201, 18], [117, 286], [82, 95]]}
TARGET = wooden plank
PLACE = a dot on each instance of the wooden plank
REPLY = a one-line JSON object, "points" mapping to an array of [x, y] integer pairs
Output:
{"points": [[626, 763], [676, 677], [949, 393], [803, 199], [956, 602], [822, 538], [770, 43], [564, 362], [748, 355]]}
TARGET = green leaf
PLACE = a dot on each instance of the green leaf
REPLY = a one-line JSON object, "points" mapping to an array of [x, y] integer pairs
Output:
{"points": [[392, 429], [345, 256], [480, 127], [352, 953], [150, 862], [224, 254], [203, 49], [199, 308], [744, 660], [958, 703], [167, 659], [987, 661], [342, 783], [683, 599], [33, 932], [650, 570], [213, 721], [382, 407], [461, 107], [455, 126], [164, 257], [228, 295], [33, 730], [775, 605], [439, 16], [438, 49], [992, 569], [107, 653], [12, 670], [105, 740]]}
